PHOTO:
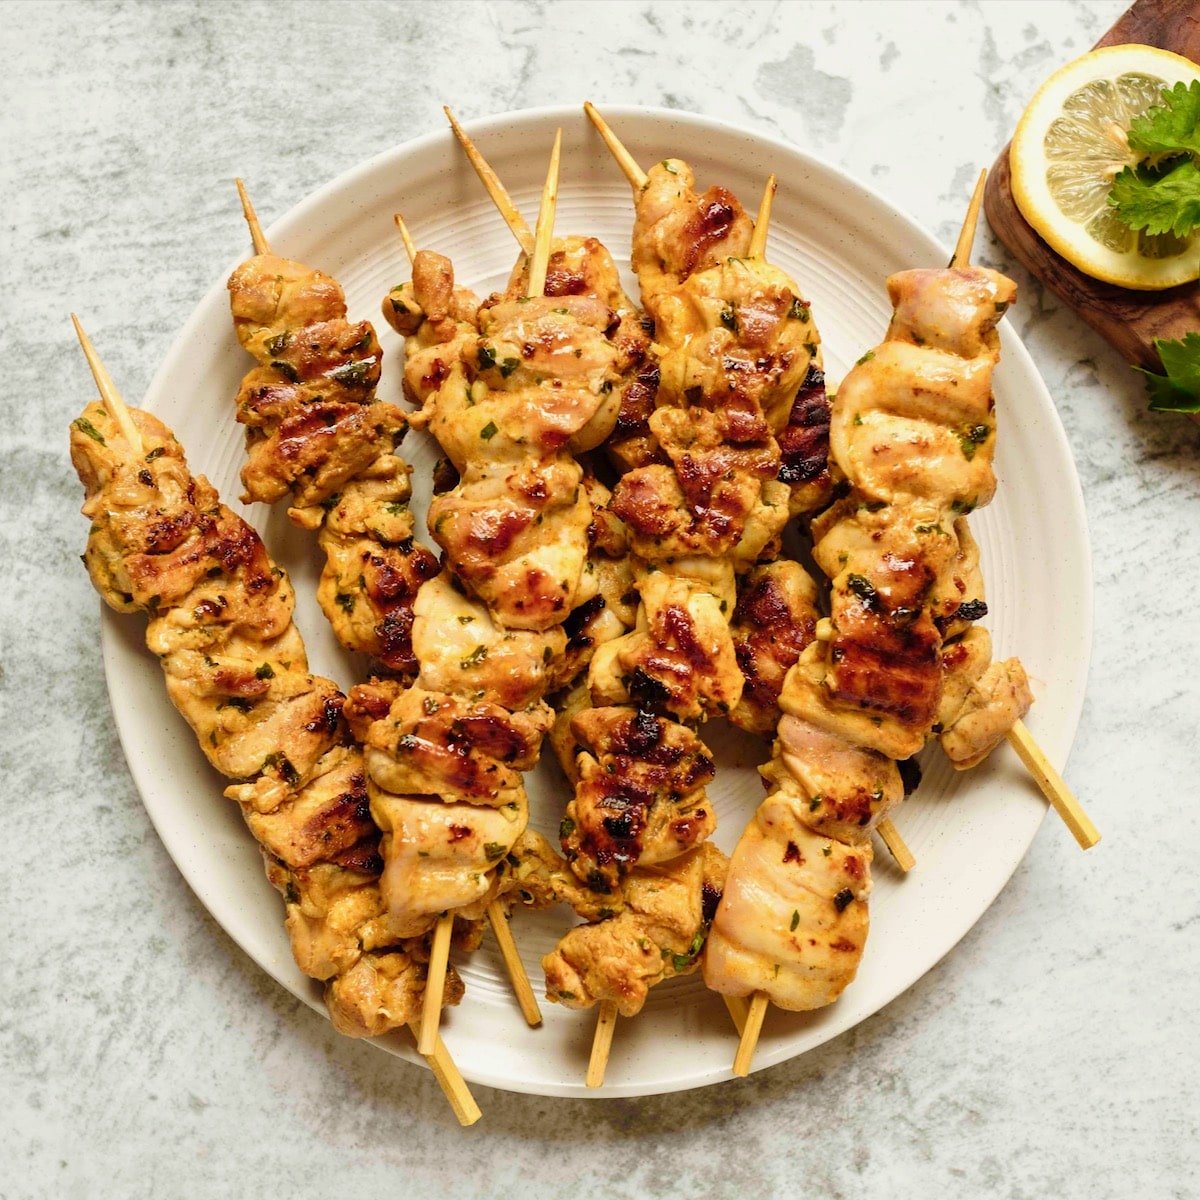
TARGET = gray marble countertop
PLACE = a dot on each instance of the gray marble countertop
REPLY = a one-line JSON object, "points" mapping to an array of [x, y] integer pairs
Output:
{"points": [[1053, 1053]]}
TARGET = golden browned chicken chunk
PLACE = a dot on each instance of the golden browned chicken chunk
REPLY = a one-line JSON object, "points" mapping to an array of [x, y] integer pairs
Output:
{"points": [[640, 794], [775, 619], [792, 921], [658, 933]]}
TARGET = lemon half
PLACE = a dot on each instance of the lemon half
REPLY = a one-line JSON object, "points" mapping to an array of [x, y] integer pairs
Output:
{"points": [[1069, 145]]}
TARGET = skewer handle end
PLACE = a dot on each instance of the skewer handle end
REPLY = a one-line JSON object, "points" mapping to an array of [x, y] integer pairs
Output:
{"points": [[1053, 786]]}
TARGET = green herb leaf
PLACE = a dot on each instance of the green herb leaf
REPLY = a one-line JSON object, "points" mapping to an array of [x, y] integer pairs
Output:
{"points": [[85, 426], [1173, 127], [870, 354], [486, 356], [795, 920], [474, 658], [1159, 201], [489, 431], [566, 828], [494, 850], [266, 671], [1179, 389]]}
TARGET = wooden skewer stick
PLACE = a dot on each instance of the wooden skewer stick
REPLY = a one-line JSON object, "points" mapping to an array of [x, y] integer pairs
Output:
{"points": [[435, 984], [522, 988], [409, 247], [1052, 784], [261, 245], [966, 238], [491, 182], [890, 836], [758, 240], [636, 176], [750, 1031], [498, 918], [108, 392], [453, 1085], [540, 259], [739, 1010], [602, 1043], [447, 1074]]}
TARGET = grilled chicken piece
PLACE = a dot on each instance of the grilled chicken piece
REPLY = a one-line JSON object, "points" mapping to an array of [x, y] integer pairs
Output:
{"points": [[840, 790], [535, 876], [330, 815], [516, 536], [741, 334], [775, 619], [441, 857], [804, 446], [526, 391], [680, 657], [464, 652], [995, 703], [582, 266], [236, 669], [659, 933], [311, 416], [793, 920], [611, 612], [373, 569], [916, 419], [677, 232], [430, 308], [651, 502], [434, 744], [640, 795]]}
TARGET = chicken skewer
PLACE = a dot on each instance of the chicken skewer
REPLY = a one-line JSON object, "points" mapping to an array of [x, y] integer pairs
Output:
{"points": [[385, 506], [943, 323], [652, 922], [495, 909], [1047, 777], [678, 288], [235, 667], [537, 276]]}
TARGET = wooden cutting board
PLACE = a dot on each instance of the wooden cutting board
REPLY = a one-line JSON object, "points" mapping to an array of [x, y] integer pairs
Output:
{"points": [[1129, 320]]}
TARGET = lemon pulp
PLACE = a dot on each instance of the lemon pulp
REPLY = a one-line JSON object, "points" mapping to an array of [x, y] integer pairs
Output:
{"points": [[1087, 146]]}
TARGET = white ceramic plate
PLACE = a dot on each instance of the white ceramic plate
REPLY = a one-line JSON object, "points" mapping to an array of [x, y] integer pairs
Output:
{"points": [[840, 241]]}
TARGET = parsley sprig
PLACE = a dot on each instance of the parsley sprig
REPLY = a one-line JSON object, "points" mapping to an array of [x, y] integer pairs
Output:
{"points": [[1162, 193], [1179, 389]]}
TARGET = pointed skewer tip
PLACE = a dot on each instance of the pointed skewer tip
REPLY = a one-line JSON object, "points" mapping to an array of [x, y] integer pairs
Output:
{"points": [[261, 245], [966, 238], [762, 222], [544, 236], [111, 398], [409, 246], [628, 164], [492, 185]]}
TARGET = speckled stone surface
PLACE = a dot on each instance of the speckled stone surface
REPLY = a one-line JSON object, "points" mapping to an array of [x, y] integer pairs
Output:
{"points": [[1054, 1053]]}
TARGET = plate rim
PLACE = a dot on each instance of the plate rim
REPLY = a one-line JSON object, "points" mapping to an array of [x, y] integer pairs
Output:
{"points": [[111, 633]]}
